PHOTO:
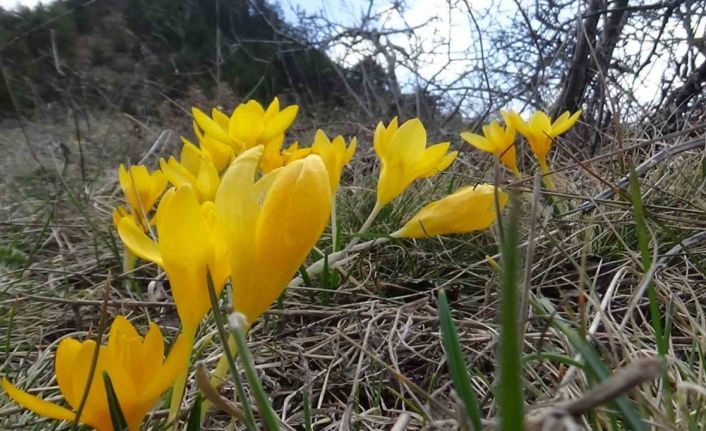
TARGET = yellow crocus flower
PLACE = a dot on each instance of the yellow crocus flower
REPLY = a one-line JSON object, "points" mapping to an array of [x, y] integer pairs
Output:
{"points": [[334, 154], [141, 188], [271, 225], [193, 168], [405, 157], [249, 125], [466, 210], [540, 131], [191, 243], [136, 366], [498, 141]]}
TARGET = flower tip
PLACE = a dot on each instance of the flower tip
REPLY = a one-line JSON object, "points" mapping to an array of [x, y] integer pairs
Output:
{"points": [[237, 321]]}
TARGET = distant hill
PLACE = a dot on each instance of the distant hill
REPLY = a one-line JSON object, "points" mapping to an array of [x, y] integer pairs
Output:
{"points": [[131, 54]]}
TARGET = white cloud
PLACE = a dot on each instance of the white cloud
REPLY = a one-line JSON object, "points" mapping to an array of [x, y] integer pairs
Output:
{"points": [[12, 4]]}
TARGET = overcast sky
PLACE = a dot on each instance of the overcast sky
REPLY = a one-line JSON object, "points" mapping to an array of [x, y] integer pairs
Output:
{"points": [[10, 4]]}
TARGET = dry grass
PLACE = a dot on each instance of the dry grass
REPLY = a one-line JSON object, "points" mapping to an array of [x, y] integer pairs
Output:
{"points": [[369, 347]]}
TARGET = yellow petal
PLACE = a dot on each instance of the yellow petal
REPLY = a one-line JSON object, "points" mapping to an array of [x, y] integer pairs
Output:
{"points": [[433, 161], [190, 156], [137, 242], [95, 412], [220, 154], [220, 118], [209, 126], [564, 123], [147, 362], [176, 173], [478, 141], [351, 149], [186, 249], [383, 136], [207, 180], [176, 360], [279, 123], [237, 207], [293, 217], [64, 363], [514, 119], [467, 210], [408, 144], [37, 405], [391, 183], [272, 109], [246, 124]]}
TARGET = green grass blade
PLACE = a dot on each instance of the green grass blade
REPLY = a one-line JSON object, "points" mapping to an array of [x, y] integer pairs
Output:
{"points": [[194, 423], [307, 409], [643, 241], [457, 365], [117, 418], [596, 367]]}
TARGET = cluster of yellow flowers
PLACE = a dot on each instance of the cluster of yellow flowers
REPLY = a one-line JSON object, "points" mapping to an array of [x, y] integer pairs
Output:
{"points": [[239, 207], [539, 131]]}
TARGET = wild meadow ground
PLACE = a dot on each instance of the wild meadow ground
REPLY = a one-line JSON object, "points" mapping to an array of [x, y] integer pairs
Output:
{"points": [[364, 343]]}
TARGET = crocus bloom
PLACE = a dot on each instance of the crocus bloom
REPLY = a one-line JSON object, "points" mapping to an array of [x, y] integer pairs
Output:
{"points": [[271, 225], [249, 125], [190, 244], [498, 141], [193, 168], [540, 131], [405, 157], [334, 154], [136, 366], [141, 188], [466, 210]]}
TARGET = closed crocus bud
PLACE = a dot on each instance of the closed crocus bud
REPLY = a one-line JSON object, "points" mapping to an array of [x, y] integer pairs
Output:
{"points": [[270, 224], [498, 141], [141, 188], [467, 210], [190, 243], [540, 131], [136, 367], [405, 157]]}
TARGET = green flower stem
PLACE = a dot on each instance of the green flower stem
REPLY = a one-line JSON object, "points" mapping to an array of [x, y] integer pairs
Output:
{"points": [[180, 383], [129, 261], [227, 353], [546, 175], [267, 413]]}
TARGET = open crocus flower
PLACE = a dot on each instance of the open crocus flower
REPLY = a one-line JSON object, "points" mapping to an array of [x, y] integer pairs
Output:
{"points": [[334, 154], [466, 210], [136, 366], [249, 125], [540, 131], [405, 157], [498, 141], [271, 225], [191, 243], [141, 188], [194, 168]]}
